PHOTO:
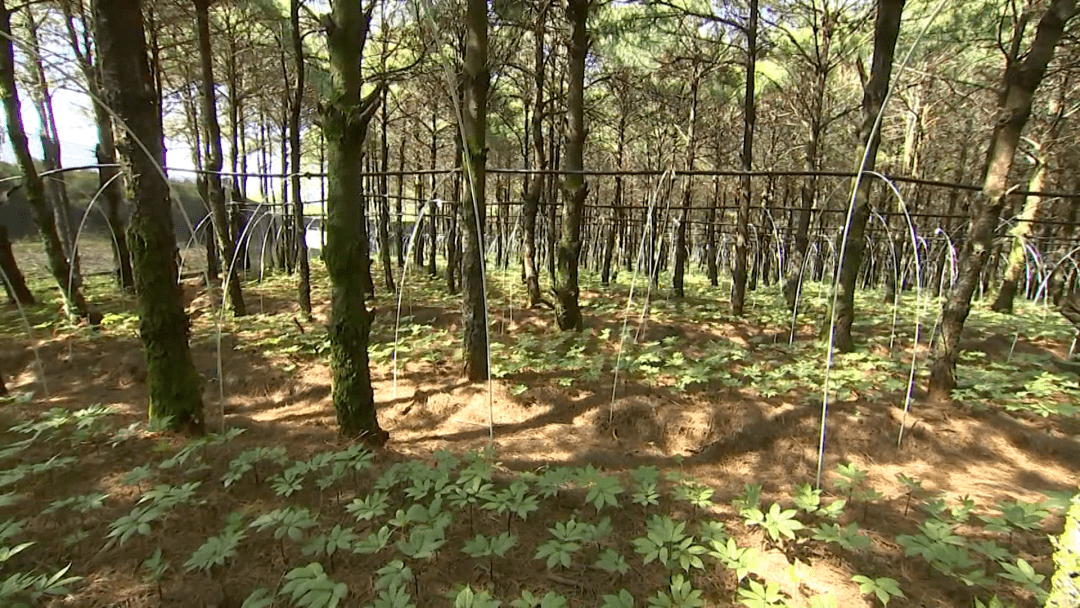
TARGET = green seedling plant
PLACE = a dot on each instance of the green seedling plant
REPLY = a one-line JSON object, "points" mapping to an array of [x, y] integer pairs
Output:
{"points": [[330, 542], [467, 598], [481, 546], [666, 541], [529, 600], [645, 491], [559, 551], [847, 536], [743, 561], [1023, 574], [914, 489], [290, 522], [757, 595], [604, 490], [369, 507], [778, 523], [884, 588], [248, 461], [514, 500], [680, 594], [310, 587], [155, 567]]}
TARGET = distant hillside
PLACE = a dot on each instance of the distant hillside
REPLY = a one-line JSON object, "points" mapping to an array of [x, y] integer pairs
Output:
{"points": [[82, 185]]}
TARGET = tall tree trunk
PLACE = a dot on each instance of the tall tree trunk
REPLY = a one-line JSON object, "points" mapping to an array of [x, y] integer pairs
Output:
{"points": [[384, 201], [238, 190], [56, 185], [535, 190], [399, 229], [453, 212], [574, 188], [345, 121], [808, 193], [109, 182], [14, 282], [742, 220], [172, 380], [212, 134], [1045, 162], [432, 211], [35, 187], [1006, 296], [711, 267], [303, 288], [474, 131], [886, 30], [1020, 81], [681, 251]]}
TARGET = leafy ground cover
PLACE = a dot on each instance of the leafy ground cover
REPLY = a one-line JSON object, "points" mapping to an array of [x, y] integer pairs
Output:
{"points": [[689, 485]]}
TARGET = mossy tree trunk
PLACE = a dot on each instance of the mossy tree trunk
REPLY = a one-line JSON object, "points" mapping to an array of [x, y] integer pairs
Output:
{"points": [[212, 137], [574, 187], [172, 381], [886, 30], [59, 265], [303, 288], [1020, 81], [345, 120], [474, 137]]}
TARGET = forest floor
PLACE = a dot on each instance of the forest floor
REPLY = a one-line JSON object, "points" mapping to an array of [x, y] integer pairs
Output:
{"points": [[714, 420]]}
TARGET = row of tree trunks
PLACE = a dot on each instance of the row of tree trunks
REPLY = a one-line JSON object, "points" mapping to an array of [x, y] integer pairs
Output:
{"points": [[214, 162], [1021, 79], [56, 185], [109, 182], [59, 264]]}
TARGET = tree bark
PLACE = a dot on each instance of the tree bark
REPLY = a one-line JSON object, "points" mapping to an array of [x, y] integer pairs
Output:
{"points": [[172, 381], [109, 183], [742, 228], [345, 121], [474, 133], [1020, 81], [681, 252], [56, 185], [886, 30], [212, 136], [574, 187], [384, 201], [35, 187], [303, 287], [535, 190], [399, 229], [14, 282]]}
